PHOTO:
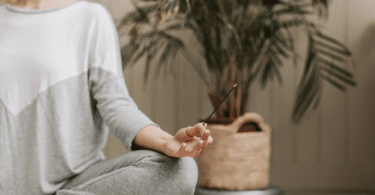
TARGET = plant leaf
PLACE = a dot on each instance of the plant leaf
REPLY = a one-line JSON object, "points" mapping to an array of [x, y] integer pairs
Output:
{"points": [[329, 54], [342, 78], [334, 83], [147, 68], [330, 39], [141, 53], [306, 92], [334, 49], [337, 68]]}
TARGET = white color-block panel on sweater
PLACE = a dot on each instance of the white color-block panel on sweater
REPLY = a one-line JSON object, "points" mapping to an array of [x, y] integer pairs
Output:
{"points": [[40, 50]]}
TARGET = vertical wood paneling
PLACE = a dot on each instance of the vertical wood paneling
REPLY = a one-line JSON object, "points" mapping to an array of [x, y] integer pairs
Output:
{"points": [[207, 107], [333, 148], [283, 149], [177, 97], [199, 93], [189, 100], [307, 130], [346, 95], [333, 99], [143, 94], [204, 105], [325, 129], [271, 118], [361, 99], [164, 102], [258, 99]]}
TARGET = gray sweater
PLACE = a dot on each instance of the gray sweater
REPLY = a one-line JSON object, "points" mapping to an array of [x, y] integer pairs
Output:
{"points": [[61, 89]]}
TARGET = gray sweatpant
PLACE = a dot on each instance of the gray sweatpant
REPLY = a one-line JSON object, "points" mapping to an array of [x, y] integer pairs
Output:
{"points": [[136, 172]]}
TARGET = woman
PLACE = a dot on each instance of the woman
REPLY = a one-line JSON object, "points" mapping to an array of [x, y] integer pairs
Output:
{"points": [[62, 89]]}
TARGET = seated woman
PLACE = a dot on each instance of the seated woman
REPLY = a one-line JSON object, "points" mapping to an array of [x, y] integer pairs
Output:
{"points": [[62, 89]]}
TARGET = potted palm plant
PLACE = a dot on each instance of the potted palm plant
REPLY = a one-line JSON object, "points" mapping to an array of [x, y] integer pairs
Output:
{"points": [[242, 40]]}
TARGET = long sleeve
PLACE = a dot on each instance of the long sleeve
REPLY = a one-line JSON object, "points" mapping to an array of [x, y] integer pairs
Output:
{"points": [[107, 84]]}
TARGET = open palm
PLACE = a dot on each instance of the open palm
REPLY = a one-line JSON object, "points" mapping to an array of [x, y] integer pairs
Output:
{"points": [[190, 141]]}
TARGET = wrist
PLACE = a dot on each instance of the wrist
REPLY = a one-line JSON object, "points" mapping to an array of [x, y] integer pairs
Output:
{"points": [[170, 146], [154, 138]]}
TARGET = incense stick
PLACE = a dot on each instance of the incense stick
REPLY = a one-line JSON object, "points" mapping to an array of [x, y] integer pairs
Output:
{"points": [[235, 85]]}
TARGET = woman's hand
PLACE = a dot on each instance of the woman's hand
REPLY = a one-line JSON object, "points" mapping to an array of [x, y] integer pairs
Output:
{"points": [[189, 141]]}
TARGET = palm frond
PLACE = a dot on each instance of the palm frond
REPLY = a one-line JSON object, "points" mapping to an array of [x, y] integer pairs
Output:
{"points": [[333, 82], [307, 91], [339, 77], [308, 84], [335, 67], [317, 69]]}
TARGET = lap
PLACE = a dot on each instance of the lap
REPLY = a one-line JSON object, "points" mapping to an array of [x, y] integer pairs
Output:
{"points": [[134, 165]]}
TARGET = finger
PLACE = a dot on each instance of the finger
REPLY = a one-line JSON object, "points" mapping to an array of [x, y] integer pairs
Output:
{"points": [[191, 132], [210, 140], [206, 134], [181, 150], [205, 145], [199, 148], [190, 146], [183, 135], [202, 129], [198, 129], [188, 131], [199, 145], [194, 151]]}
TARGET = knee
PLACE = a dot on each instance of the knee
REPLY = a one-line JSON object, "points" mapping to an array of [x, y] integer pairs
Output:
{"points": [[182, 173], [188, 175]]}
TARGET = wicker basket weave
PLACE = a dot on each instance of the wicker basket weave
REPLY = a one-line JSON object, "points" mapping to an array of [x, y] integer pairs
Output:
{"points": [[236, 161]]}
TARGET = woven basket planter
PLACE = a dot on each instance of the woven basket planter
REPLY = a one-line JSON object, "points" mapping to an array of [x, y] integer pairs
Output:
{"points": [[239, 157]]}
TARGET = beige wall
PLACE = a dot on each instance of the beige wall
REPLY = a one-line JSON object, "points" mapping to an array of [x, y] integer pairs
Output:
{"points": [[332, 148]]}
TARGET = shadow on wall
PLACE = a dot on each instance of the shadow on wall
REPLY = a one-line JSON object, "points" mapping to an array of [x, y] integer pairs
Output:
{"points": [[364, 95]]}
